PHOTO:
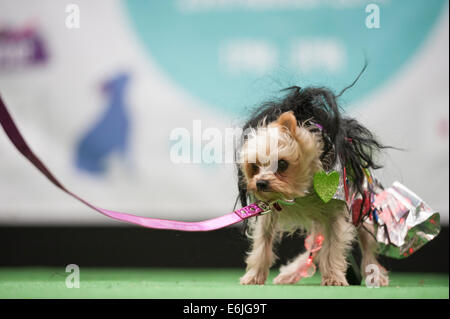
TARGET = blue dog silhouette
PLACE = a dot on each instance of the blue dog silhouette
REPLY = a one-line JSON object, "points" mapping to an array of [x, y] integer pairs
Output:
{"points": [[110, 133]]}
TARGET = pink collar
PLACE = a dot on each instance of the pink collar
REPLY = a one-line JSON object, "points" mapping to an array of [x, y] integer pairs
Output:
{"points": [[19, 142]]}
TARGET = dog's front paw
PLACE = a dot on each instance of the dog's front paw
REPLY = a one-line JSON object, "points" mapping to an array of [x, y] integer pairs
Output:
{"points": [[254, 278], [334, 281], [287, 278]]}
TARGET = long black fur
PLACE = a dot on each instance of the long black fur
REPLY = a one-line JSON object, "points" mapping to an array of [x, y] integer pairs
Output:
{"points": [[344, 138]]}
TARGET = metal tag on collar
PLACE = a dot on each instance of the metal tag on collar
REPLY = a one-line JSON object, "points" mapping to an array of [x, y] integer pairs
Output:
{"points": [[265, 207], [275, 204]]}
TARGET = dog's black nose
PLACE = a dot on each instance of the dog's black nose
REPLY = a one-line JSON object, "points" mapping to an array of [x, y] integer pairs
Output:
{"points": [[262, 185]]}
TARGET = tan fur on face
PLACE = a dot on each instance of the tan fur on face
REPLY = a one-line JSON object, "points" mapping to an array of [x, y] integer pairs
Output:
{"points": [[296, 144]]}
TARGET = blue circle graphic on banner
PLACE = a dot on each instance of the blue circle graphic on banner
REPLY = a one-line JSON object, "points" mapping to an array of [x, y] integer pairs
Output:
{"points": [[234, 54]]}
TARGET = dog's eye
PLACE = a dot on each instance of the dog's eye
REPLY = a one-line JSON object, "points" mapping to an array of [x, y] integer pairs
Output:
{"points": [[255, 169], [282, 165]]}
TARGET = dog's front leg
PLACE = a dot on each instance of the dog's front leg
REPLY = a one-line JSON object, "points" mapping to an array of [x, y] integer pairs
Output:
{"points": [[261, 256], [332, 256]]}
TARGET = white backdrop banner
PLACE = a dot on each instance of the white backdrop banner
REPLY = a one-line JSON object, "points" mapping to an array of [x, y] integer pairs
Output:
{"points": [[103, 89]]}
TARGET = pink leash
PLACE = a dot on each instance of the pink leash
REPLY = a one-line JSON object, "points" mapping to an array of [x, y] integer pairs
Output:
{"points": [[211, 224]]}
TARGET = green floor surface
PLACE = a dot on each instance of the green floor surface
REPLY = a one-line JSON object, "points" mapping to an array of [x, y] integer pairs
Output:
{"points": [[200, 283]]}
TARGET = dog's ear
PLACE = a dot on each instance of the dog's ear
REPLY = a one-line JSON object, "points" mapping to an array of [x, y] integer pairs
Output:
{"points": [[288, 120]]}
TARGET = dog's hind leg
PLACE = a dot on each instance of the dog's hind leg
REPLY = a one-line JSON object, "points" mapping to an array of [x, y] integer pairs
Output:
{"points": [[368, 248], [290, 273]]}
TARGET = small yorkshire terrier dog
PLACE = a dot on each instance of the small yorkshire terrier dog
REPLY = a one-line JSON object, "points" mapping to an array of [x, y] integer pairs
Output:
{"points": [[310, 135]]}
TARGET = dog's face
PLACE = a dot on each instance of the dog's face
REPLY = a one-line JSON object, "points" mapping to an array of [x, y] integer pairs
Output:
{"points": [[279, 159]]}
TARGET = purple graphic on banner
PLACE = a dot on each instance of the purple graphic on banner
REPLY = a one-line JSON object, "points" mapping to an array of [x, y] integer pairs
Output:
{"points": [[110, 133], [21, 48]]}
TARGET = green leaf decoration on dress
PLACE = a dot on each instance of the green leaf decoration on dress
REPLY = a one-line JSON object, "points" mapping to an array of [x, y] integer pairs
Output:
{"points": [[326, 185]]}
